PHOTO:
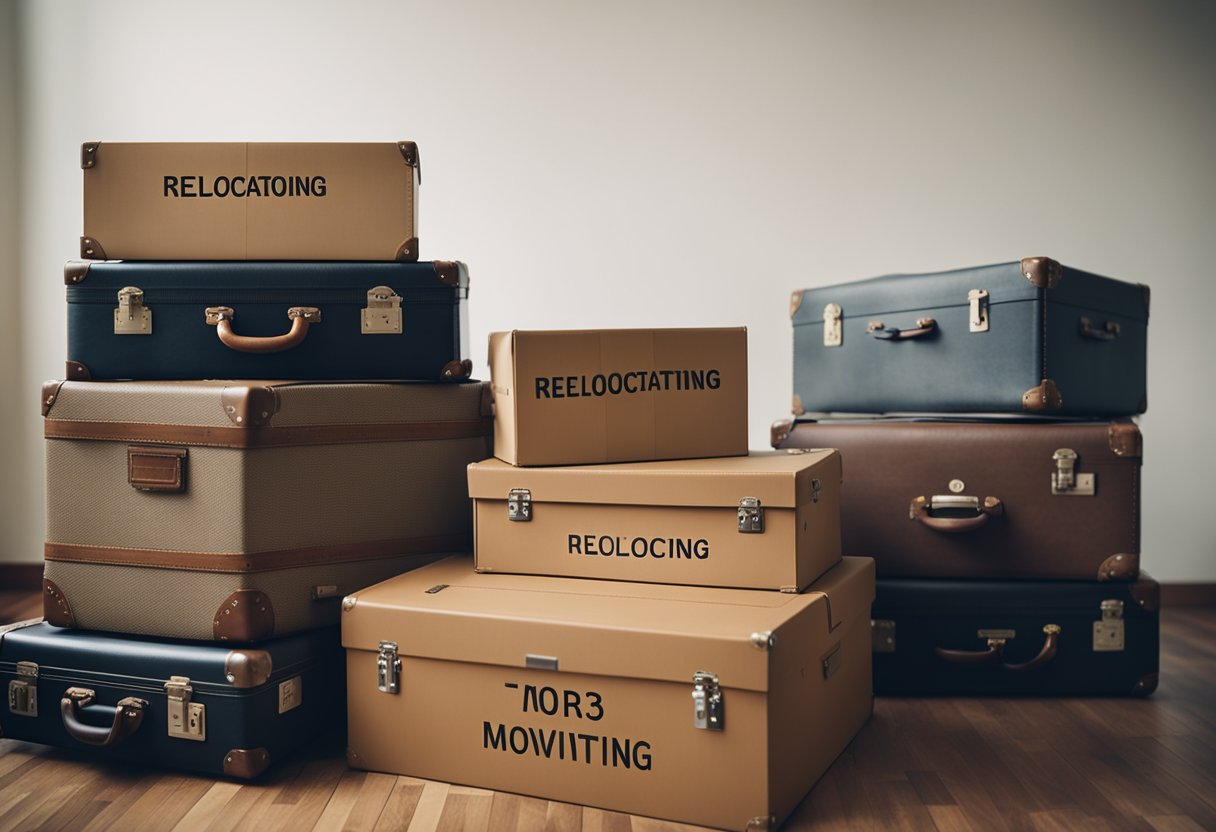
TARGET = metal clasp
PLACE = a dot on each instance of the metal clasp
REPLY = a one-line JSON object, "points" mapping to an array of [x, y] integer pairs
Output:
{"points": [[708, 712], [383, 313], [132, 317], [519, 505], [388, 668], [1065, 480], [816, 489], [1108, 633], [831, 325], [187, 720], [751, 516], [23, 691], [977, 300]]}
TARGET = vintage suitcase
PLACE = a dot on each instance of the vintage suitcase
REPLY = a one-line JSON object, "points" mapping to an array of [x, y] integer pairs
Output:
{"points": [[250, 201], [201, 707], [1029, 336], [244, 510], [765, 521], [998, 499], [1008, 638], [346, 321], [719, 707]]}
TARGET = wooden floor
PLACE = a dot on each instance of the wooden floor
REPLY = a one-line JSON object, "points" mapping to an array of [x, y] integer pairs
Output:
{"points": [[986, 764]]}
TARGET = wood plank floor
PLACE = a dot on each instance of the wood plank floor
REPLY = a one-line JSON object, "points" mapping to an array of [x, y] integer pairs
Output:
{"points": [[989, 764]]}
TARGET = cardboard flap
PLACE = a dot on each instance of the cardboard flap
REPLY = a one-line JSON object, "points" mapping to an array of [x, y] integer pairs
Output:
{"points": [[778, 479]]}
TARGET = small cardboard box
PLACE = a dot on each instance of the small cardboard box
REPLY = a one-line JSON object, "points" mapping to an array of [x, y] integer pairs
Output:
{"points": [[250, 201], [719, 707], [770, 520], [618, 395]]}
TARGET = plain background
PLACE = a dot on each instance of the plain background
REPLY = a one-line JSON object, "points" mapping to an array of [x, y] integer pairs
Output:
{"points": [[674, 163]]}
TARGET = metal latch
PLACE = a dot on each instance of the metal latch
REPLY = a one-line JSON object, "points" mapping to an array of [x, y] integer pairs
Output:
{"points": [[1065, 480], [519, 505], [816, 489], [383, 313], [977, 300], [751, 516], [831, 325], [1108, 633], [23, 691], [882, 635], [707, 709], [187, 720], [831, 662], [388, 668], [132, 317]]}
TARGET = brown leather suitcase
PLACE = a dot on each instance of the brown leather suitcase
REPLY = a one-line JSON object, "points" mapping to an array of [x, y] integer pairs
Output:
{"points": [[996, 499]]}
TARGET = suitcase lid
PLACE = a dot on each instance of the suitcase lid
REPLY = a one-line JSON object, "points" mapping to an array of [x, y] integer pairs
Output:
{"points": [[779, 479], [450, 612]]}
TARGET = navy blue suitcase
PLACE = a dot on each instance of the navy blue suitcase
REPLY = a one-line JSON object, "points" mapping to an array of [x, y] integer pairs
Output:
{"points": [[201, 707], [352, 321], [1031, 336]]}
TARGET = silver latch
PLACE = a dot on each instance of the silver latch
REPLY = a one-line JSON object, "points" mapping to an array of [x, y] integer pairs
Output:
{"points": [[1108, 633], [388, 668], [1065, 480], [23, 691], [832, 328], [519, 505], [816, 490], [882, 635], [707, 708], [751, 516], [187, 720], [383, 313], [132, 317], [977, 300]]}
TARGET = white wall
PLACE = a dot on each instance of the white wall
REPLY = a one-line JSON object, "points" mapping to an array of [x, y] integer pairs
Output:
{"points": [[689, 162]]}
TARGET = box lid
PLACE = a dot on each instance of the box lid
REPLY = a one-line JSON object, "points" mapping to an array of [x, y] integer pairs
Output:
{"points": [[779, 479], [449, 612]]}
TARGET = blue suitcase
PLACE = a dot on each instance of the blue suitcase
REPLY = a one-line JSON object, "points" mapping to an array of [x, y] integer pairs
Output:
{"points": [[266, 320], [208, 708], [1025, 337]]}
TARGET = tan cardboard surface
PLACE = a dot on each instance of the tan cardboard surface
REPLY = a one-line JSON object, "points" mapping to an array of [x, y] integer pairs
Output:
{"points": [[591, 396]]}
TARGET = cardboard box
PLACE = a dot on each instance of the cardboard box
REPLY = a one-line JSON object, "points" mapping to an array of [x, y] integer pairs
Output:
{"points": [[250, 201], [618, 395], [719, 707], [770, 520]]}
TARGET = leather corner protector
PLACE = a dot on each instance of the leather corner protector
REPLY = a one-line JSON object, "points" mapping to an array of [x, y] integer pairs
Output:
{"points": [[250, 407], [75, 371], [407, 252], [157, 468], [448, 272], [1143, 405], [409, 153], [246, 763], [1120, 567], [88, 155], [248, 668], [487, 399], [779, 431], [1147, 297], [75, 271], [1125, 440], [796, 406], [1042, 272], [1147, 593], [1044, 397], [795, 301], [90, 249], [55, 608], [50, 392], [1145, 685], [456, 370], [245, 615]]}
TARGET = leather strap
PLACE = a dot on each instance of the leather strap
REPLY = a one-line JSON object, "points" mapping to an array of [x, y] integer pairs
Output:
{"points": [[301, 316], [128, 715]]}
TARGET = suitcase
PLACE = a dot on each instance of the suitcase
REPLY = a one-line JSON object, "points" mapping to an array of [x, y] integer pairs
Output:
{"points": [[1009, 499], [766, 521], [719, 707], [200, 707], [1030, 336], [348, 321], [1012, 638], [250, 200], [244, 510]]}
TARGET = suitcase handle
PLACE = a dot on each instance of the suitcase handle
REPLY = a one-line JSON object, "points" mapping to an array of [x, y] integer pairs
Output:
{"points": [[922, 506], [221, 317], [128, 715], [995, 654], [924, 326], [1108, 332]]}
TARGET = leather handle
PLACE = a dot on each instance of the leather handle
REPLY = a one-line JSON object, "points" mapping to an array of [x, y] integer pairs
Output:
{"points": [[924, 326], [221, 317], [128, 716], [995, 654], [921, 509], [1046, 654], [1108, 332]]}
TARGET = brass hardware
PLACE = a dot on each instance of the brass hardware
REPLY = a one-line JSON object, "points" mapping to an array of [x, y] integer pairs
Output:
{"points": [[997, 635], [1065, 480], [388, 668], [831, 662], [874, 326], [132, 317], [764, 640], [957, 486], [882, 635], [990, 505], [382, 316], [977, 300], [187, 720], [519, 505], [831, 325], [348, 603], [535, 662], [215, 314], [1108, 633], [23, 691], [291, 694], [751, 516], [708, 708]]}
